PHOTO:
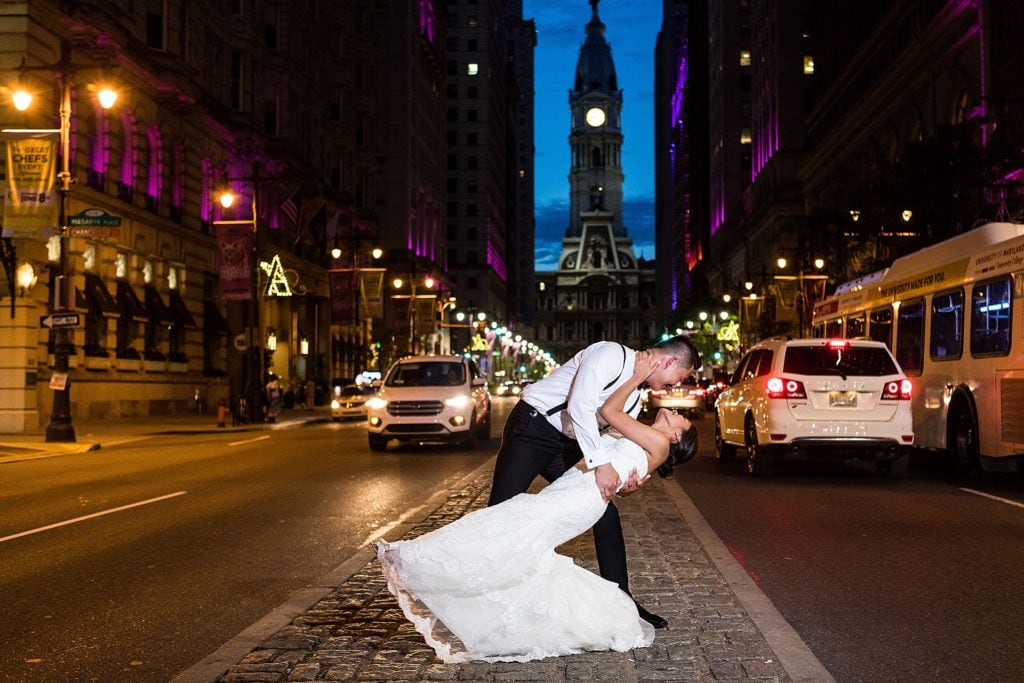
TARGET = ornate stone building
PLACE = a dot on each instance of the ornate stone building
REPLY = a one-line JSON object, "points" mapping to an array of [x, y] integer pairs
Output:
{"points": [[600, 291]]}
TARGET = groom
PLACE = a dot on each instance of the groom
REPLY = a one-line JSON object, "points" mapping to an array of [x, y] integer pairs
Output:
{"points": [[555, 425]]}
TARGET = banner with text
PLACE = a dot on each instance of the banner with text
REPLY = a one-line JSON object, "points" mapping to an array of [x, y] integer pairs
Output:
{"points": [[31, 202], [371, 282], [235, 260]]}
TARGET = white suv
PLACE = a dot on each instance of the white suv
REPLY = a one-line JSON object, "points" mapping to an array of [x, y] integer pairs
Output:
{"points": [[826, 398], [430, 398]]}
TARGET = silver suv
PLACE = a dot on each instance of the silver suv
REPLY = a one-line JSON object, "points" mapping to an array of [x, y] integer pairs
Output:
{"points": [[430, 398], [824, 398]]}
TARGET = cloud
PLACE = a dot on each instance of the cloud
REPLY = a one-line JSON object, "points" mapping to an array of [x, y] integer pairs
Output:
{"points": [[552, 220]]}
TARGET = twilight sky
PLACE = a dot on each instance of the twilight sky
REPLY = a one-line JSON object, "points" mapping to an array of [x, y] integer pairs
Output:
{"points": [[631, 29]]}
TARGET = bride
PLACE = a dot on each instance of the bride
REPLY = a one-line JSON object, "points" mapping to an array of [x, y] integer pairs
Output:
{"points": [[490, 585]]}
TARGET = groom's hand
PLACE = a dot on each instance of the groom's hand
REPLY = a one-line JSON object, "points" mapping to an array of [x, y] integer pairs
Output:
{"points": [[607, 480]]}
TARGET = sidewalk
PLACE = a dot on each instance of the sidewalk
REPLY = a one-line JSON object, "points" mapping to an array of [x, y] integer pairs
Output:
{"points": [[353, 629], [93, 434]]}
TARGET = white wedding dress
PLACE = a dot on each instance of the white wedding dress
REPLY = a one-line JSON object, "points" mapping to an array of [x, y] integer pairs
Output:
{"points": [[491, 587]]}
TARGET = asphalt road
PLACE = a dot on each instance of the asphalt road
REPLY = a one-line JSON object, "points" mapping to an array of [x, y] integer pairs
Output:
{"points": [[918, 580], [187, 541]]}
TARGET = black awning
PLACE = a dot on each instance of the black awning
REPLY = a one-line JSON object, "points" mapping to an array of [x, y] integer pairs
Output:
{"points": [[131, 305], [96, 297], [213, 321], [180, 311], [158, 311]]}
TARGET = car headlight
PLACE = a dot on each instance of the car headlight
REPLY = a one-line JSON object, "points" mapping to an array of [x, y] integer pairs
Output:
{"points": [[377, 403], [457, 401], [335, 404]]}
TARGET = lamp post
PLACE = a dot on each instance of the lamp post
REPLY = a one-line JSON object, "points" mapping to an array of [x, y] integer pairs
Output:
{"points": [[253, 365], [816, 277], [61, 428], [352, 264]]}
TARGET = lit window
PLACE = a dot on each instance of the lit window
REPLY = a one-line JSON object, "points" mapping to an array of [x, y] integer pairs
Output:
{"points": [[472, 68], [808, 64], [744, 57], [744, 136], [522, 173]]}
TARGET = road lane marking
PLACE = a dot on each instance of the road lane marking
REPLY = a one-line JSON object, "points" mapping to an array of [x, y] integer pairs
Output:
{"points": [[92, 516], [258, 438], [989, 495]]}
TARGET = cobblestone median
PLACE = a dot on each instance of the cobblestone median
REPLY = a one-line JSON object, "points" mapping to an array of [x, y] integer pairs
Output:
{"points": [[358, 632]]}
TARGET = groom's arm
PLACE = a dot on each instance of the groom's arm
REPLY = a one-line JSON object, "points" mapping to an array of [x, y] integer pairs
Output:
{"points": [[601, 364]]}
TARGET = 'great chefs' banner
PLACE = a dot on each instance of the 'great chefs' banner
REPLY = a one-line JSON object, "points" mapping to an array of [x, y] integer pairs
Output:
{"points": [[31, 202]]}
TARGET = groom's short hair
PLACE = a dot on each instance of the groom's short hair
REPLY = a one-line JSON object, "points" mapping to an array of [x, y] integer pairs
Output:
{"points": [[683, 349]]}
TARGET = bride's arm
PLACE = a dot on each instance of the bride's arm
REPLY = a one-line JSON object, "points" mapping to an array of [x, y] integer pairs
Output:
{"points": [[613, 411]]}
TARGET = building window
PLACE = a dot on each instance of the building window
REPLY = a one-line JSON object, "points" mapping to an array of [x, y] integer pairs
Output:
{"points": [[155, 13], [471, 115], [236, 80], [808, 65], [471, 22], [744, 136], [744, 57], [472, 69]]}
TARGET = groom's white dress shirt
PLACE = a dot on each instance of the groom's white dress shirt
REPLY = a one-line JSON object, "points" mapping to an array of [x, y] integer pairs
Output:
{"points": [[581, 384]]}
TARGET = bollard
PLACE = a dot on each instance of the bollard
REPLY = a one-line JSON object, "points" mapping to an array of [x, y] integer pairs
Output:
{"points": [[222, 413]]}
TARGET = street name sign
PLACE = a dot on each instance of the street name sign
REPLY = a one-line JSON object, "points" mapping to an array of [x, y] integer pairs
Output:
{"points": [[55, 320]]}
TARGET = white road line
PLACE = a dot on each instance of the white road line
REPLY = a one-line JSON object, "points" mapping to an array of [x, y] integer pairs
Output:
{"points": [[92, 516], [258, 438], [989, 495]]}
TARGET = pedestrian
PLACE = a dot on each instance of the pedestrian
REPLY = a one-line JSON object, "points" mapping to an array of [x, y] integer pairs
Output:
{"points": [[490, 585], [556, 424], [274, 398], [310, 394]]}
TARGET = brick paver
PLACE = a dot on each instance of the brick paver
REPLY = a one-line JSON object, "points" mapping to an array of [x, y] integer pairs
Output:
{"points": [[358, 631]]}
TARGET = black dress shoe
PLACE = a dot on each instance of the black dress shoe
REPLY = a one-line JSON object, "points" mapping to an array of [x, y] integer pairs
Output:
{"points": [[652, 619]]}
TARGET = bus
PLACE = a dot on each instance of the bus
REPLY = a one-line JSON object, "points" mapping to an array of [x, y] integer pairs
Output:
{"points": [[949, 314]]}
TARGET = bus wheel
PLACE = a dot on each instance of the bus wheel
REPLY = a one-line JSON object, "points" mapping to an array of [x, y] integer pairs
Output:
{"points": [[759, 458], [962, 440]]}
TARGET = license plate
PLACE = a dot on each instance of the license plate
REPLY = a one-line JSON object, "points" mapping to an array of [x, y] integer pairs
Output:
{"points": [[842, 399]]}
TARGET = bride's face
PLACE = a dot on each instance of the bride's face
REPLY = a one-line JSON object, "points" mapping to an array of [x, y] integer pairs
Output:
{"points": [[671, 424]]}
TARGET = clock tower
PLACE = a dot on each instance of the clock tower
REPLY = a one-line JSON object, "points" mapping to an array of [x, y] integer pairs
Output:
{"points": [[600, 290], [595, 103]]}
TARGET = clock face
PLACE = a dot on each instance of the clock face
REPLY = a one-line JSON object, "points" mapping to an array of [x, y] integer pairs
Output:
{"points": [[595, 116]]}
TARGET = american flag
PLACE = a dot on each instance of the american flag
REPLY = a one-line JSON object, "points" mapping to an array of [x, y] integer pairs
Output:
{"points": [[289, 208]]}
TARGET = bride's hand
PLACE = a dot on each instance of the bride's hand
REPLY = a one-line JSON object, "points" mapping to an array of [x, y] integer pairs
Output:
{"points": [[645, 364]]}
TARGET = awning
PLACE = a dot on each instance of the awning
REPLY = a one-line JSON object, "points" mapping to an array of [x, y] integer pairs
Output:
{"points": [[180, 311], [158, 311], [213, 321], [131, 306], [96, 298]]}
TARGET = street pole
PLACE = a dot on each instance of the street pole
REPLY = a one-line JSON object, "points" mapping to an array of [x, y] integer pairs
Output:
{"points": [[61, 428], [255, 364]]}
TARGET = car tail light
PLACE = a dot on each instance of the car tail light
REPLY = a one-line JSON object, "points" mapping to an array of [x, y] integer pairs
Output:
{"points": [[897, 390], [842, 344], [780, 387]]}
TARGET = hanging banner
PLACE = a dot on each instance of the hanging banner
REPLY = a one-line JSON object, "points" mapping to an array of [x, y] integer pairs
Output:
{"points": [[235, 260], [31, 201], [402, 316], [426, 318], [371, 284], [343, 297]]}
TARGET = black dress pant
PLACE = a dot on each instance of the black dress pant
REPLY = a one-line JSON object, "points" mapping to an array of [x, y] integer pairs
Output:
{"points": [[531, 446]]}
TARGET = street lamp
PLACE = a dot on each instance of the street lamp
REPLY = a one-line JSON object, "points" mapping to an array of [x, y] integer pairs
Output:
{"points": [[804, 277], [61, 428], [253, 366]]}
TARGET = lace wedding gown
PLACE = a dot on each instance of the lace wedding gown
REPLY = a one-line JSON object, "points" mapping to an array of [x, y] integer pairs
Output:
{"points": [[491, 587]]}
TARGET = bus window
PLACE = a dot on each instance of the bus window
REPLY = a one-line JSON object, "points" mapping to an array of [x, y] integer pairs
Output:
{"points": [[910, 337], [881, 326], [990, 318], [818, 331], [947, 325], [855, 325], [834, 328]]}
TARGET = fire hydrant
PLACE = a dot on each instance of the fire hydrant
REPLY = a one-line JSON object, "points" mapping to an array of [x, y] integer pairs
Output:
{"points": [[222, 413]]}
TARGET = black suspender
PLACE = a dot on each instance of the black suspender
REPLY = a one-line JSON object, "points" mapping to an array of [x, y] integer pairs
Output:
{"points": [[562, 406]]}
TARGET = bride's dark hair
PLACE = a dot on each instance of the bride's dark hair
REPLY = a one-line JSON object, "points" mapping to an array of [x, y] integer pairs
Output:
{"points": [[679, 453]]}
